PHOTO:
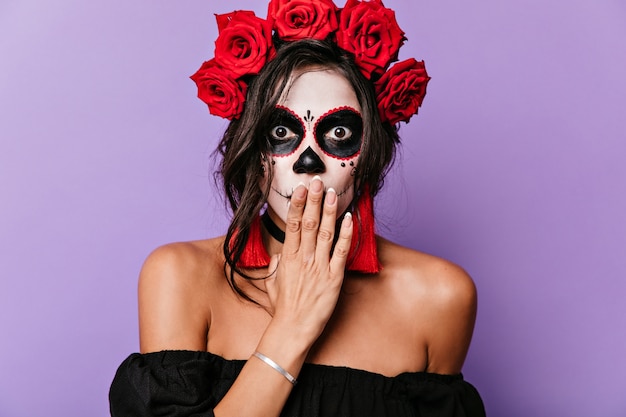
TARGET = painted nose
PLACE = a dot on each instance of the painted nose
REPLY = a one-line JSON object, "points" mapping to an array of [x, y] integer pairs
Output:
{"points": [[309, 163]]}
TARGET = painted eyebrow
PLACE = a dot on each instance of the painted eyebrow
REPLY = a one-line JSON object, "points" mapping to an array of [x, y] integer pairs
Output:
{"points": [[285, 113], [337, 110], [333, 118]]}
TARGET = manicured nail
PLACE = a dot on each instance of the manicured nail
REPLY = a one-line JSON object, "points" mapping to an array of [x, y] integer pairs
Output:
{"points": [[299, 192], [331, 197], [347, 220], [316, 184]]}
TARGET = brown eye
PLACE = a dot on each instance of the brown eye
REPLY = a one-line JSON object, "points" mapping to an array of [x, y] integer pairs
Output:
{"points": [[338, 134], [282, 133]]}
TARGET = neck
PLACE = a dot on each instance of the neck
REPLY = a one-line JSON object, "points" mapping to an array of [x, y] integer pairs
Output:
{"points": [[273, 234], [272, 228]]}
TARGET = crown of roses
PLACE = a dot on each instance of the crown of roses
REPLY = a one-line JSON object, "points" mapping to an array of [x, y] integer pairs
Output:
{"points": [[366, 29]]}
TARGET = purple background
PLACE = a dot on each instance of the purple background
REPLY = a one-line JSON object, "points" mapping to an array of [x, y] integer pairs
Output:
{"points": [[514, 169]]}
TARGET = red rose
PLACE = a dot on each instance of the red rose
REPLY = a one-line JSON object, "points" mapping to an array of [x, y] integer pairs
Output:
{"points": [[370, 31], [401, 90], [244, 43], [224, 95], [300, 19]]}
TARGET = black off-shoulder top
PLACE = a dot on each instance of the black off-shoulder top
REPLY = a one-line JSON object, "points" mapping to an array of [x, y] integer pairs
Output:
{"points": [[189, 383]]}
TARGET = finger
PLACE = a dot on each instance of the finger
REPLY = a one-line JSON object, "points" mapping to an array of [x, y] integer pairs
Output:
{"points": [[293, 225], [273, 266], [342, 247], [326, 231], [270, 281], [311, 217]]}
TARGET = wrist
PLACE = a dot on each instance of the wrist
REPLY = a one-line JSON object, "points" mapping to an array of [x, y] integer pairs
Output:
{"points": [[272, 364], [285, 345]]}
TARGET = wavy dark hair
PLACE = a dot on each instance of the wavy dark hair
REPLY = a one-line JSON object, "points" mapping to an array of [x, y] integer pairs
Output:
{"points": [[244, 144]]}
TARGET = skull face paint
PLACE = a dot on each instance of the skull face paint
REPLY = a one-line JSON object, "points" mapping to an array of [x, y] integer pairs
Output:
{"points": [[340, 132], [316, 129], [286, 131]]}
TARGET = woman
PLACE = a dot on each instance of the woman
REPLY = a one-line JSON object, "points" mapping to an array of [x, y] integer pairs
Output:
{"points": [[305, 292]]}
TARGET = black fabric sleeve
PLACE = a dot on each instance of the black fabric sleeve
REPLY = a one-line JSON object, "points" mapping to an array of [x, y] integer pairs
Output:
{"points": [[446, 396], [169, 383], [190, 384]]}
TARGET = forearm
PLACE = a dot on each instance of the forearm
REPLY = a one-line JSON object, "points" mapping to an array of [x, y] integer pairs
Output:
{"points": [[260, 390]]}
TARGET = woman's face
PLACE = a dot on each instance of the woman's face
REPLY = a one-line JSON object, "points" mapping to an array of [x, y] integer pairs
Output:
{"points": [[316, 129]]}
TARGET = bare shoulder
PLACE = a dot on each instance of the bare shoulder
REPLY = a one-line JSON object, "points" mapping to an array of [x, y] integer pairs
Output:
{"points": [[181, 259], [441, 281], [174, 291], [442, 295]]}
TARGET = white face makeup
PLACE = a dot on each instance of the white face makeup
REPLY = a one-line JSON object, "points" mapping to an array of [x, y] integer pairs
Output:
{"points": [[317, 129]]}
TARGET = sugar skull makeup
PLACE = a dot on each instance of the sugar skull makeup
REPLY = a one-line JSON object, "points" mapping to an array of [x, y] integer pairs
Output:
{"points": [[338, 133], [286, 131], [316, 129]]}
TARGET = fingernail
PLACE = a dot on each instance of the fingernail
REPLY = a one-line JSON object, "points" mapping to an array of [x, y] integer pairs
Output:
{"points": [[347, 220], [316, 184], [301, 193], [331, 196]]}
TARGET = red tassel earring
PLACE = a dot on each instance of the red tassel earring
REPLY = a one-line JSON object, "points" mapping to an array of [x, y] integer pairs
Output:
{"points": [[363, 252], [254, 254]]}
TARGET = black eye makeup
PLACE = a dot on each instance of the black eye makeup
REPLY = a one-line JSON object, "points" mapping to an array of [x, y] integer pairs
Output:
{"points": [[286, 131], [340, 132]]}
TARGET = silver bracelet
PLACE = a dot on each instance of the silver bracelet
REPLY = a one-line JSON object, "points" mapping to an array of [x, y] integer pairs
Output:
{"points": [[276, 366]]}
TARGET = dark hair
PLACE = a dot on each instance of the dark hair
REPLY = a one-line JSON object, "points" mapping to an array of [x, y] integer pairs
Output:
{"points": [[245, 143]]}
